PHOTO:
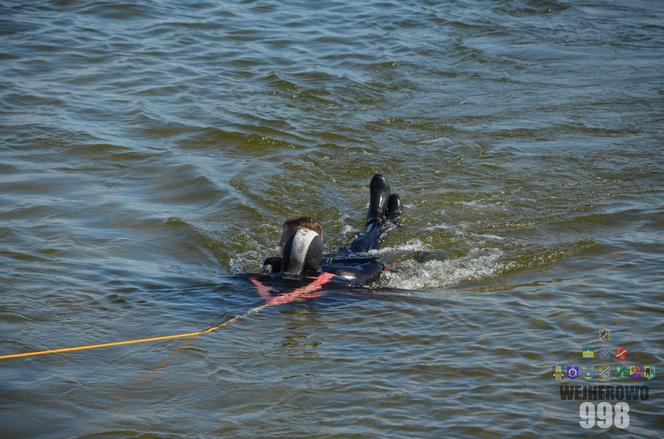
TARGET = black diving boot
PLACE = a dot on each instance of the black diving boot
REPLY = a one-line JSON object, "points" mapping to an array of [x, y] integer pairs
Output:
{"points": [[370, 235], [380, 192], [394, 209]]}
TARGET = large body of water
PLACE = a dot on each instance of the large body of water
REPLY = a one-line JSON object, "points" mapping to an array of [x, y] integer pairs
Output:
{"points": [[149, 152]]}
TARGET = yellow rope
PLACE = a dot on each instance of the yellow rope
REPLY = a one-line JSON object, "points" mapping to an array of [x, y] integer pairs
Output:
{"points": [[136, 341], [297, 294]]}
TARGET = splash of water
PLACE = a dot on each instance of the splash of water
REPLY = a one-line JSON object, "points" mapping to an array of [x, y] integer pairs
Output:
{"points": [[476, 264]]}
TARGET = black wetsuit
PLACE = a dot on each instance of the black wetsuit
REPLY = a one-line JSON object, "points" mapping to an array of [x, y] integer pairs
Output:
{"points": [[353, 265]]}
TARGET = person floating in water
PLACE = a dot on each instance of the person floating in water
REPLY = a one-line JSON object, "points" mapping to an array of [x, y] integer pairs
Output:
{"points": [[302, 258]]}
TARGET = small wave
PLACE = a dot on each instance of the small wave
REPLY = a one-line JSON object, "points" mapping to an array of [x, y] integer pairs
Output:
{"points": [[250, 261], [490, 237], [477, 264], [246, 262]]}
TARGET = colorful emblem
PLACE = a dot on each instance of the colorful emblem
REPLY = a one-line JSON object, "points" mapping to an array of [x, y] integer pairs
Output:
{"points": [[558, 373], [572, 372], [604, 372], [622, 372], [588, 372], [588, 354]]}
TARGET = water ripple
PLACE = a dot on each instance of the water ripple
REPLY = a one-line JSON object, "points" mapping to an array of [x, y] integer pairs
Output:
{"points": [[150, 151]]}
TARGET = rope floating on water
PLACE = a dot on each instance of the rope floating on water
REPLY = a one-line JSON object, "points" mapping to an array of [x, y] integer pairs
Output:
{"points": [[309, 291], [135, 341]]}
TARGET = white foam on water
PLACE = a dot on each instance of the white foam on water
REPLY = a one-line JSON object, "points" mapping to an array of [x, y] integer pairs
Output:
{"points": [[491, 237], [410, 246], [249, 261], [477, 264], [347, 229], [442, 226]]}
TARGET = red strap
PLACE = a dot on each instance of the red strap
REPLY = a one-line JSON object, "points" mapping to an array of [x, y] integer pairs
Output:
{"points": [[309, 291], [262, 289]]}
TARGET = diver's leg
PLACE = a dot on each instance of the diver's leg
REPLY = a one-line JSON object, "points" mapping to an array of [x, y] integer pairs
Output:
{"points": [[367, 240], [394, 209], [374, 230], [379, 190]]}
